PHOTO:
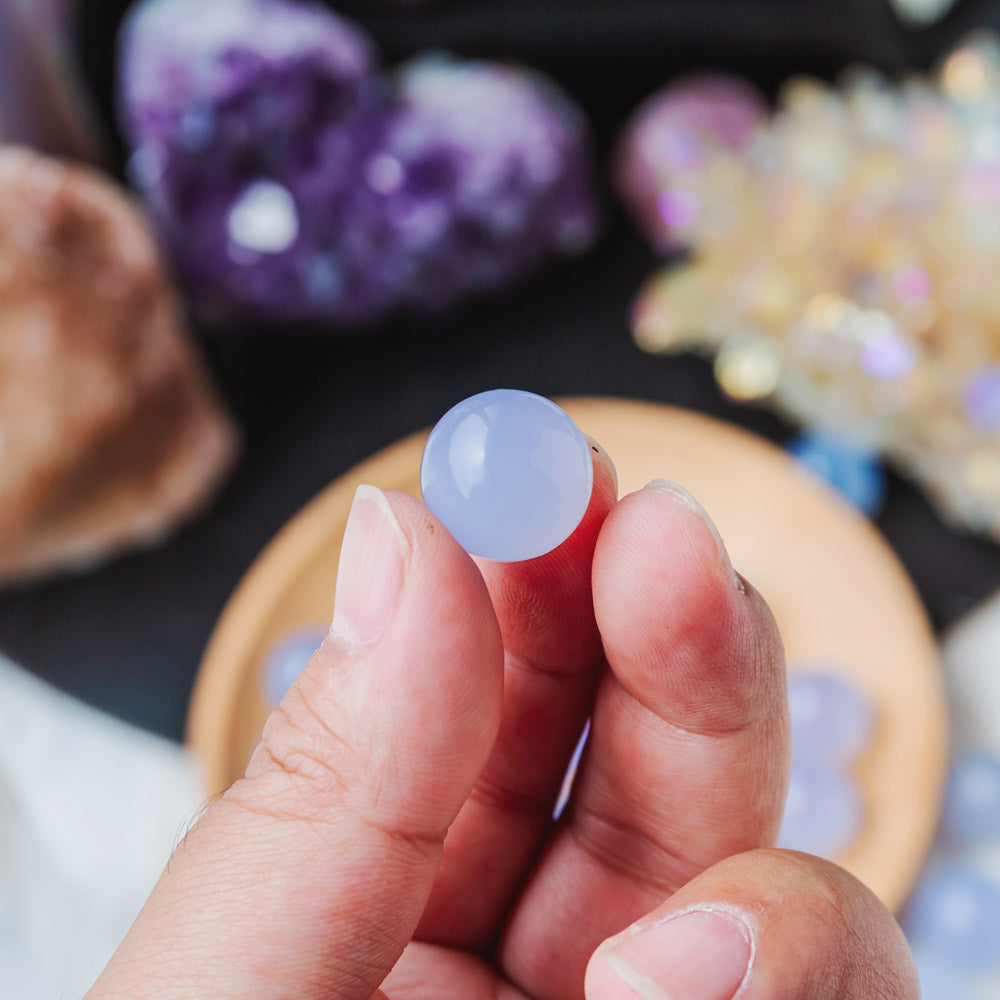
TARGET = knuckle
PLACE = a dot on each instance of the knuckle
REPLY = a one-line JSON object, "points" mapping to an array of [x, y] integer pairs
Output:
{"points": [[301, 764]]}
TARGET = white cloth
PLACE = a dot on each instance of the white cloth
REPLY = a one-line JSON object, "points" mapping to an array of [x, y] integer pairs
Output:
{"points": [[90, 809]]}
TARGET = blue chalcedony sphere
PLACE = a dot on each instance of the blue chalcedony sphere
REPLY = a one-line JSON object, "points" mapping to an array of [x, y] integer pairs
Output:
{"points": [[285, 660], [508, 473]]}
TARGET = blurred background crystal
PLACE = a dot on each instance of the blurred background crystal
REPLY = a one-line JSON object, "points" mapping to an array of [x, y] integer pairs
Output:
{"points": [[43, 101], [841, 263], [921, 13], [293, 179]]}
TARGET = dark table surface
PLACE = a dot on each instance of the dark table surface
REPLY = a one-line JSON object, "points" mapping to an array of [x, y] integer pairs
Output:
{"points": [[128, 638]]}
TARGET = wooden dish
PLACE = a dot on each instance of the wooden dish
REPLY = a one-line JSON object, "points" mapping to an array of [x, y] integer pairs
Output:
{"points": [[839, 594]]}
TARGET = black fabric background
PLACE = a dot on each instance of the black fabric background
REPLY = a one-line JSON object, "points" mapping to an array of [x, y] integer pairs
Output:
{"points": [[128, 638]]}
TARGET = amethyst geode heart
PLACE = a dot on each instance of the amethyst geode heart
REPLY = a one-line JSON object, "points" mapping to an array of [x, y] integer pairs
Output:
{"points": [[290, 179]]}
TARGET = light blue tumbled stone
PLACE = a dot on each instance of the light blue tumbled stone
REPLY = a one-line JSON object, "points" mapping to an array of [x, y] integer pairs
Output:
{"points": [[955, 912], [972, 800], [285, 660], [939, 979], [824, 811], [831, 720], [508, 473]]}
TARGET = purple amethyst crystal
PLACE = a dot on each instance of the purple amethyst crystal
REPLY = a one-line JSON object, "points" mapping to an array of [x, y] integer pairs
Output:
{"points": [[291, 180], [482, 174], [666, 140]]}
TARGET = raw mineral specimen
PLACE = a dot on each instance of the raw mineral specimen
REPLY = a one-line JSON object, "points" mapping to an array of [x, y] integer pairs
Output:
{"points": [[292, 180], [110, 431]]}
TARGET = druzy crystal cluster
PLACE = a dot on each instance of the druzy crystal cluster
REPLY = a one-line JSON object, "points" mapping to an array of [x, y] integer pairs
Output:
{"points": [[292, 178], [842, 260]]}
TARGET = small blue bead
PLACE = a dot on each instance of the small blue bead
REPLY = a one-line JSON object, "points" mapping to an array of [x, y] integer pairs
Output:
{"points": [[831, 721], [939, 980], [852, 471], [823, 811], [508, 473], [972, 800], [955, 912], [285, 660]]}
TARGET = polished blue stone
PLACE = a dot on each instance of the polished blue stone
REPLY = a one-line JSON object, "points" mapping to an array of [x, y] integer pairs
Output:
{"points": [[955, 912], [852, 471], [823, 812], [831, 720], [285, 660], [508, 473], [972, 800], [939, 979]]}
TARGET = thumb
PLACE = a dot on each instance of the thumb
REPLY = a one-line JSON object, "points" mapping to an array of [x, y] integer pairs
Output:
{"points": [[308, 876], [760, 925]]}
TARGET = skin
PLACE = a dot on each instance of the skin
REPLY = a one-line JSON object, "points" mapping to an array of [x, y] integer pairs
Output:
{"points": [[325, 872]]}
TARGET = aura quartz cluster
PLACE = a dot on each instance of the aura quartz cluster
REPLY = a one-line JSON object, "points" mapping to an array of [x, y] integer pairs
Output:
{"points": [[842, 262], [292, 178], [670, 138], [508, 473], [832, 725]]}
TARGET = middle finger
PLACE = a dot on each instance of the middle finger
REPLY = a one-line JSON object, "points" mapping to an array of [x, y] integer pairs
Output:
{"points": [[688, 757]]}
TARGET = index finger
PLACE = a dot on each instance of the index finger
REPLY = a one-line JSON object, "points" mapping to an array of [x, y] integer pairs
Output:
{"points": [[552, 660]]}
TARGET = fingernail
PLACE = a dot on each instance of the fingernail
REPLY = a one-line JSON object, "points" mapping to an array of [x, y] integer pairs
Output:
{"points": [[373, 560], [699, 955], [601, 456], [682, 496]]}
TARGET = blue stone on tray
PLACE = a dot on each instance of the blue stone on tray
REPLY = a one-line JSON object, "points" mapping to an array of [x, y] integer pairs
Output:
{"points": [[285, 660], [972, 799], [831, 720], [823, 812], [508, 473], [955, 912]]}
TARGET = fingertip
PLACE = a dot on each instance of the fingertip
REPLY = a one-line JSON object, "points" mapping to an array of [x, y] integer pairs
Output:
{"points": [[758, 925], [815, 925], [405, 692], [698, 954], [685, 634]]}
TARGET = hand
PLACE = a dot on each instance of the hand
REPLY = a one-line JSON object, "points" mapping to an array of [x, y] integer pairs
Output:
{"points": [[447, 700]]}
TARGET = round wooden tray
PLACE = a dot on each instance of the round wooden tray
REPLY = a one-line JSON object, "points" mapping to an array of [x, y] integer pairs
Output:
{"points": [[840, 597]]}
